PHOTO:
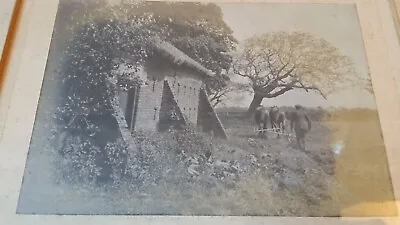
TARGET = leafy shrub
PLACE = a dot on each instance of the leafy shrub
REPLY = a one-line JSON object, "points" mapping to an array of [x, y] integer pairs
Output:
{"points": [[77, 162]]}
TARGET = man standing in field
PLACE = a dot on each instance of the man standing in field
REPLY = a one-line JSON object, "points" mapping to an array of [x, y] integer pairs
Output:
{"points": [[301, 124]]}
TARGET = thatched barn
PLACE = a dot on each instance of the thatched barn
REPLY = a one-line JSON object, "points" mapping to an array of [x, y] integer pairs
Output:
{"points": [[172, 95]]}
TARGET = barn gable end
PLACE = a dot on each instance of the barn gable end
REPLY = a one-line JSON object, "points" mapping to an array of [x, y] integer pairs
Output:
{"points": [[186, 94], [185, 84], [149, 104], [171, 78]]}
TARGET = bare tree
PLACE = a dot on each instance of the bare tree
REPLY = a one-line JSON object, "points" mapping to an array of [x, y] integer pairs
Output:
{"points": [[223, 93], [275, 63]]}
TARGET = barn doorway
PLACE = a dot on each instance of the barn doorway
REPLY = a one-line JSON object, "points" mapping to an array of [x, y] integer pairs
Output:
{"points": [[132, 107], [171, 115]]}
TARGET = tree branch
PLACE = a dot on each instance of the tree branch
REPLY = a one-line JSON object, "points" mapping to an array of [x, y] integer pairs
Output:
{"points": [[275, 81], [283, 67], [237, 72], [284, 89], [218, 95], [280, 92], [302, 86]]}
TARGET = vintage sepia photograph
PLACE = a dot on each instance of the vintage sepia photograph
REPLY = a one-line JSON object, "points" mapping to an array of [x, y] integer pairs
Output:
{"points": [[206, 109]]}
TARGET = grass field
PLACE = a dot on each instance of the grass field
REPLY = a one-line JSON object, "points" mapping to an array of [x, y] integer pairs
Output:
{"points": [[362, 170], [305, 176], [354, 182]]}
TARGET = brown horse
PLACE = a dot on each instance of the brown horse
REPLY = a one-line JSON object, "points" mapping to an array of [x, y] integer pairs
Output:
{"points": [[278, 120], [261, 117]]}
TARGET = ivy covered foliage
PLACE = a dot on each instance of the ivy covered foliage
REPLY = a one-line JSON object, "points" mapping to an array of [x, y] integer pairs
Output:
{"points": [[106, 36], [121, 33]]}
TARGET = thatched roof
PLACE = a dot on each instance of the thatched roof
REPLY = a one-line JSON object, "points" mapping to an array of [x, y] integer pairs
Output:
{"points": [[177, 57]]}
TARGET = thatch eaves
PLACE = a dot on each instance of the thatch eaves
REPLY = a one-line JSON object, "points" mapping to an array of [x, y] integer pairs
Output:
{"points": [[179, 58]]}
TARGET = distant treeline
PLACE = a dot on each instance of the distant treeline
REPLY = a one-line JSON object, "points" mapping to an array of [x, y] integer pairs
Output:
{"points": [[355, 114], [315, 113]]}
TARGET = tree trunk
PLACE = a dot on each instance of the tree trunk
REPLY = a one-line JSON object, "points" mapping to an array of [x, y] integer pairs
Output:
{"points": [[257, 99]]}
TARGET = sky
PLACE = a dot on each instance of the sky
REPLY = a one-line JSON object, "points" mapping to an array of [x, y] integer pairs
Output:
{"points": [[336, 23]]}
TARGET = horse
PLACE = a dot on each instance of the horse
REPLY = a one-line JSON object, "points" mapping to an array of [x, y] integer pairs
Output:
{"points": [[278, 120], [261, 117]]}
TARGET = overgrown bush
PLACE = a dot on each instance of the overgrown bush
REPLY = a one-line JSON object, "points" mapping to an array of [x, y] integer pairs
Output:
{"points": [[177, 167], [77, 162]]}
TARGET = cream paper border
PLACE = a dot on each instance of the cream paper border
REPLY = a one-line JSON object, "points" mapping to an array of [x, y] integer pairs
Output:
{"points": [[6, 12], [27, 67]]}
